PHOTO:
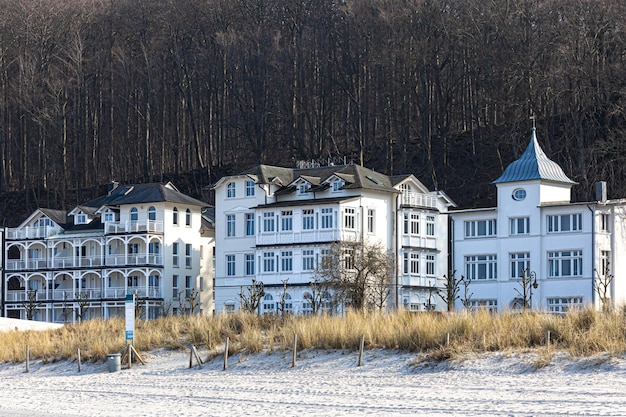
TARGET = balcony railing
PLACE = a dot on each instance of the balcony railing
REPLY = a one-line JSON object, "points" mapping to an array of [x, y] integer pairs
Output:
{"points": [[70, 295], [306, 236], [82, 262], [150, 226], [30, 232], [429, 242], [418, 200], [134, 259]]}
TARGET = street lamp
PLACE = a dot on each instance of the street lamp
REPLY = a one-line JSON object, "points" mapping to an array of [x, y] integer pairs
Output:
{"points": [[532, 276], [528, 283]]}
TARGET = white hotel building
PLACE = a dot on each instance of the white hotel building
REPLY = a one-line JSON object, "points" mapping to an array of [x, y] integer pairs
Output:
{"points": [[149, 240], [272, 224], [537, 229]]}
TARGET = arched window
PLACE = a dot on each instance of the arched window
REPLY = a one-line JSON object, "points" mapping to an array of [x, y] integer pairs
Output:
{"points": [[268, 304], [134, 214], [187, 217], [175, 216], [151, 213]]}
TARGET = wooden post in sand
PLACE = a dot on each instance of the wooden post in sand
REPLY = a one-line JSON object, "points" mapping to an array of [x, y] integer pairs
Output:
{"points": [[295, 346], [226, 353], [361, 345], [27, 359]]}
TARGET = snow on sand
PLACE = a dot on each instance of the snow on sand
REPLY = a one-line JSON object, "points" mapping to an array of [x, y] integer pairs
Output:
{"points": [[323, 383]]}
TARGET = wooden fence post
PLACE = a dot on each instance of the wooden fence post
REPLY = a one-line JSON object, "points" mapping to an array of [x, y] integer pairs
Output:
{"points": [[78, 358], [361, 345], [27, 359], [130, 356], [226, 353], [295, 346]]}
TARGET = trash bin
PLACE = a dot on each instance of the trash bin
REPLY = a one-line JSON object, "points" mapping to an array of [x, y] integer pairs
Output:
{"points": [[114, 361]]}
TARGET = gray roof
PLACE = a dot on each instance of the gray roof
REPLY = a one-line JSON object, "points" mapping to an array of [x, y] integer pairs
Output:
{"points": [[533, 165], [144, 193]]}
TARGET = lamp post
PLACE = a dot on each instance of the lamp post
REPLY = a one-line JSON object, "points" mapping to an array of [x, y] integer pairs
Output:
{"points": [[528, 283]]}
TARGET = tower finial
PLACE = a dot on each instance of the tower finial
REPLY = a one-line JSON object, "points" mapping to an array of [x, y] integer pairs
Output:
{"points": [[533, 119]]}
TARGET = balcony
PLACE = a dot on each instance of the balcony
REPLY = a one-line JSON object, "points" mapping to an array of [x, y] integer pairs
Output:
{"points": [[306, 236], [408, 199], [427, 242], [30, 233], [94, 294], [63, 262], [146, 226], [134, 259]]}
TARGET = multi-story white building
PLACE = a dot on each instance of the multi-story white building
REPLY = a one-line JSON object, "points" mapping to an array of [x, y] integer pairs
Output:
{"points": [[563, 249], [149, 240], [273, 224]]}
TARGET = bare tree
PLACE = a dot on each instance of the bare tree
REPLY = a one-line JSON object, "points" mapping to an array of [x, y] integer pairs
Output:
{"points": [[283, 299], [31, 304], [192, 298], [527, 282], [82, 302], [359, 274], [603, 286], [466, 300], [451, 287], [319, 292], [251, 297]]}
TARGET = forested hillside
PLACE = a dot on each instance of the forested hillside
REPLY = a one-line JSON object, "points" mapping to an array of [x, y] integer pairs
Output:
{"points": [[189, 90]]}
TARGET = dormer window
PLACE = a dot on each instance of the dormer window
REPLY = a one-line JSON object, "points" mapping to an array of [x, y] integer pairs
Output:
{"points": [[303, 188], [151, 213], [230, 190], [337, 185], [109, 216], [81, 218]]}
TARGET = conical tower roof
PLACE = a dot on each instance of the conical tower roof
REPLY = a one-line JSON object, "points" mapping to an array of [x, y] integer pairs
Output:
{"points": [[534, 165]]}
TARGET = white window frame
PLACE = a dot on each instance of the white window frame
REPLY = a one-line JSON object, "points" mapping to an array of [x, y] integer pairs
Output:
{"points": [[415, 224], [308, 259], [286, 221], [249, 224], [519, 226], [519, 261], [250, 188], [230, 225], [430, 226], [431, 264], [569, 260], [308, 219], [371, 216], [480, 228], [286, 261], [231, 190], [249, 264], [269, 222], [564, 223], [481, 267], [349, 215], [188, 253], [230, 265], [490, 305], [564, 304], [269, 262], [327, 218]]}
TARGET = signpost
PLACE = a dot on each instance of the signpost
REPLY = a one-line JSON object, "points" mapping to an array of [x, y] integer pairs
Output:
{"points": [[130, 319]]}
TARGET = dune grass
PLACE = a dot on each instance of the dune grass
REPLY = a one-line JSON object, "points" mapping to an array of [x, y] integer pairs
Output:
{"points": [[438, 336]]}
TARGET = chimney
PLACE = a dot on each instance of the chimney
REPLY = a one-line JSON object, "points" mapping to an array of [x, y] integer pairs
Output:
{"points": [[112, 186], [601, 191]]}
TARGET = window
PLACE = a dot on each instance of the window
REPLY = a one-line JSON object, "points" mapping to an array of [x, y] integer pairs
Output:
{"points": [[187, 285], [133, 248], [302, 188], [175, 216], [308, 260], [370, 220], [229, 307], [109, 216], [519, 194], [249, 224], [430, 265], [519, 226], [230, 190], [337, 185], [153, 280], [327, 218], [133, 281], [520, 262], [491, 305], [268, 303], [174, 286], [480, 228], [605, 258], [286, 220], [134, 214], [249, 188], [268, 261], [415, 224], [430, 225], [565, 223], [286, 261], [348, 259], [230, 265], [268, 222], [604, 222], [151, 213], [249, 264], [230, 225], [175, 254], [481, 267], [565, 263], [187, 217], [188, 255], [411, 263], [308, 219], [405, 223], [349, 218], [562, 304], [81, 218]]}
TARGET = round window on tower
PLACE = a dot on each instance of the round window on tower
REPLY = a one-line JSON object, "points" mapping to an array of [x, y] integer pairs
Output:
{"points": [[519, 194]]}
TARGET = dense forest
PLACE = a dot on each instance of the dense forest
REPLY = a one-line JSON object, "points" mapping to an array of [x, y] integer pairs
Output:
{"points": [[189, 90]]}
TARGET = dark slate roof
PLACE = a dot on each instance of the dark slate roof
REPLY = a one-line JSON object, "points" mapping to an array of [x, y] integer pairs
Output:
{"points": [[533, 165], [57, 216], [355, 176], [312, 201], [144, 193]]}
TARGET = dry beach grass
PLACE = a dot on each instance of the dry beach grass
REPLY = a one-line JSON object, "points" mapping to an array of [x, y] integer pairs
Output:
{"points": [[437, 336]]}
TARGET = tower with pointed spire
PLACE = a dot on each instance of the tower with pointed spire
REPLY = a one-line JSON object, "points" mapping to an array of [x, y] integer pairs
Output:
{"points": [[537, 249]]}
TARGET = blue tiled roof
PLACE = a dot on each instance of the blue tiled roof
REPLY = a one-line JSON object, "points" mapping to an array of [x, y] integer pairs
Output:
{"points": [[533, 165]]}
